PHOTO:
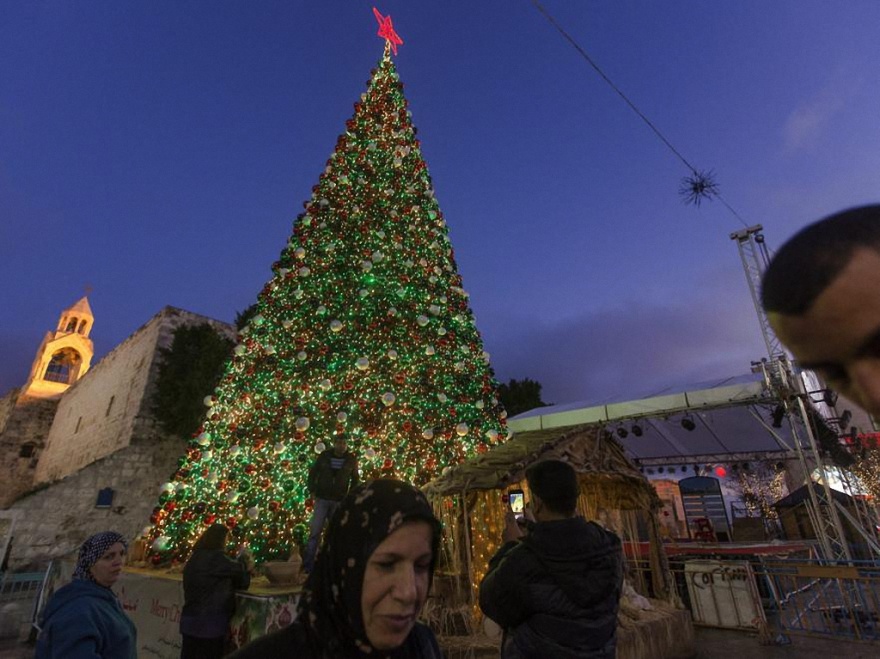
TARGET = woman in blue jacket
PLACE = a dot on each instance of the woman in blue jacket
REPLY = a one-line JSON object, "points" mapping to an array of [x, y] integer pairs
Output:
{"points": [[84, 620]]}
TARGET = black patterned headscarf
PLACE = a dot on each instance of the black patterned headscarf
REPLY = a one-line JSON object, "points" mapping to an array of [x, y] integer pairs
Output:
{"points": [[330, 606], [92, 549]]}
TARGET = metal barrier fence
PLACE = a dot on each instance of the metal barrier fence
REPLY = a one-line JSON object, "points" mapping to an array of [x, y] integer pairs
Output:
{"points": [[828, 600], [19, 592], [777, 597]]}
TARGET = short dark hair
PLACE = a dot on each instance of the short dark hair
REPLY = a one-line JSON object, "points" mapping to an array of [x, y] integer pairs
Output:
{"points": [[812, 259], [555, 482], [214, 537]]}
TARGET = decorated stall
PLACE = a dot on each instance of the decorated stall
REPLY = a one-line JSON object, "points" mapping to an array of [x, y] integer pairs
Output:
{"points": [[472, 501]]}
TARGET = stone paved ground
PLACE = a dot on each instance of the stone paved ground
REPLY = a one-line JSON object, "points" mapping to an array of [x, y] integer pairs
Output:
{"points": [[711, 644]]}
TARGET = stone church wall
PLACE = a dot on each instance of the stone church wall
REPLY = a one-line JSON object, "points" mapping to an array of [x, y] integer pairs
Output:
{"points": [[54, 521], [24, 434], [111, 406]]}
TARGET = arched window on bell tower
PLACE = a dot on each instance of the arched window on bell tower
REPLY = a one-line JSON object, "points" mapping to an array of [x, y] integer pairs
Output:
{"points": [[63, 367], [71, 325]]}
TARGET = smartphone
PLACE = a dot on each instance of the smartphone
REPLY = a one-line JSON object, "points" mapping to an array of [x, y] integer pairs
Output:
{"points": [[516, 500]]}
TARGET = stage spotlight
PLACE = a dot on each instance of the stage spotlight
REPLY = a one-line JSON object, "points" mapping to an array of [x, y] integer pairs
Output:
{"points": [[778, 416], [637, 430], [688, 424], [621, 432]]}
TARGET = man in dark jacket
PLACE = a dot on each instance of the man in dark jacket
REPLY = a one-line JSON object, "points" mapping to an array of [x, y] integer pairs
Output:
{"points": [[555, 590], [334, 473]]}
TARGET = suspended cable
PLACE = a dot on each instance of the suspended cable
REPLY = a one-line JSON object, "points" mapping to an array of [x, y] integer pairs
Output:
{"points": [[695, 188]]}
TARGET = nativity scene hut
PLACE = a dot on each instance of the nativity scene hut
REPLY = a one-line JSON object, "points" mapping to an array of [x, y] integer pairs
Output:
{"points": [[471, 501]]}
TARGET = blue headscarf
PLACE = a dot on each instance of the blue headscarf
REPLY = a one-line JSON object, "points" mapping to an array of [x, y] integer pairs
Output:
{"points": [[92, 549]]}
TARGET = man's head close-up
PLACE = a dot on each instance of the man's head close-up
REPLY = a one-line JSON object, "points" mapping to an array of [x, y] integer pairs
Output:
{"points": [[821, 293]]}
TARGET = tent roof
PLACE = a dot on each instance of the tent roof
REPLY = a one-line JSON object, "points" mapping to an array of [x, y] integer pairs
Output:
{"points": [[801, 494], [733, 417], [588, 448]]}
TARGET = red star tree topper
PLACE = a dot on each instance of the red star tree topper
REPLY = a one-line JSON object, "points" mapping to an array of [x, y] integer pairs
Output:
{"points": [[386, 31], [364, 329]]}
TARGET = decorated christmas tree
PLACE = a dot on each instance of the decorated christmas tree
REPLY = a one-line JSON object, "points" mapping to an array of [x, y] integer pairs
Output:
{"points": [[364, 330]]}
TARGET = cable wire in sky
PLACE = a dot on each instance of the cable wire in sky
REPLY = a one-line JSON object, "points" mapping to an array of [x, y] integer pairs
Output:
{"points": [[699, 184]]}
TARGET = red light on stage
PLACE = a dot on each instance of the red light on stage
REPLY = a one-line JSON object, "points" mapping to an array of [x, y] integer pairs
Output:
{"points": [[720, 471]]}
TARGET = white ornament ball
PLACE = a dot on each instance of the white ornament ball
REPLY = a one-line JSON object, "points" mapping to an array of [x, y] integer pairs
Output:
{"points": [[298, 293], [434, 309], [326, 384], [388, 398], [166, 487], [366, 266], [320, 447], [203, 439], [269, 350], [232, 496], [442, 398], [279, 447], [287, 324], [392, 311], [363, 292], [462, 429], [422, 320], [213, 477], [363, 363], [301, 355], [336, 325], [209, 401], [392, 354], [441, 331], [341, 417], [377, 256], [503, 414], [299, 252], [302, 424], [253, 512], [430, 350], [240, 349], [303, 271], [234, 450], [492, 435], [428, 434], [322, 309], [370, 453], [480, 404], [161, 543], [207, 455]]}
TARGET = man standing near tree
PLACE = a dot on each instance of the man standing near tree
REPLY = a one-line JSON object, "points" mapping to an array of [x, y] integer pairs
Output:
{"points": [[334, 473], [556, 589]]}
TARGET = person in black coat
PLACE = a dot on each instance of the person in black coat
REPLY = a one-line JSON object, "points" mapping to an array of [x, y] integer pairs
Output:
{"points": [[332, 475], [370, 582], [555, 590], [210, 579]]}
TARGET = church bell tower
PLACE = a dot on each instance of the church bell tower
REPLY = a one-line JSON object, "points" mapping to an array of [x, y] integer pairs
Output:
{"points": [[65, 355]]}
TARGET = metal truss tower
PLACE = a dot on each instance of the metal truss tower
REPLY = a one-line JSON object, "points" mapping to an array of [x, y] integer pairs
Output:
{"points": [[789, 386]]}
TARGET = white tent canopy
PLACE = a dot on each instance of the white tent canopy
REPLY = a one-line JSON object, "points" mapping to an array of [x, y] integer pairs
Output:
{"points": [[732, 421]]}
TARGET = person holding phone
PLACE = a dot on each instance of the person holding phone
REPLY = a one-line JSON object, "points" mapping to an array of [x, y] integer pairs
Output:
{"points": [[556, 589]]}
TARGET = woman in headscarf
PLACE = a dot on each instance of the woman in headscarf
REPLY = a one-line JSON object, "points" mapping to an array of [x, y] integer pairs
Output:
{"points": [[370, 582], [84, 618], [210, 579]]}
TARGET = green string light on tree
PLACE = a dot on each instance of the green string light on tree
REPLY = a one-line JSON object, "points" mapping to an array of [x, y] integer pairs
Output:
{"points": [[364, 330]]}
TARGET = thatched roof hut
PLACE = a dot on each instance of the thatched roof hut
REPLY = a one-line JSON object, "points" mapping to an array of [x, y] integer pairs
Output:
{"points": [[612, 492]]}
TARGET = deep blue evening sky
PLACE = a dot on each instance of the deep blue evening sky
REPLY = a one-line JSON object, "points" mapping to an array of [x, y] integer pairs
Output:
{"points": [[159, 151]]}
